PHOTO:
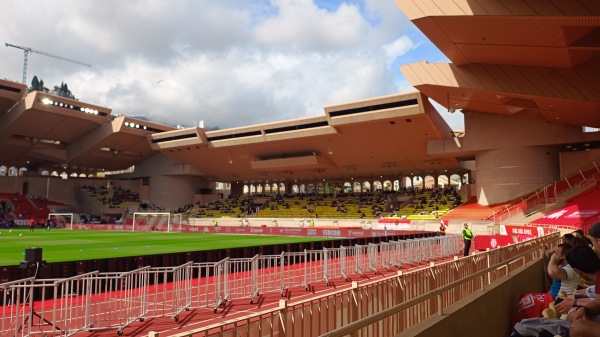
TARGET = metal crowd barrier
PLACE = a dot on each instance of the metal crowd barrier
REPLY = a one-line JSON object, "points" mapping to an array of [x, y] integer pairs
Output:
{"points": [[362, 259], [119, 299], [314, 267], [12, 302], [271, 275], [344, 263], [395, 253], [209, 289], [373, 257], [241, 278], [46, 307], [355, 260], [170, 290], [422, 250], [406, 249], [332, 267], [388, 255], [452, 244], [347, 263], [430, 250], [294, 270], [98, 301]]}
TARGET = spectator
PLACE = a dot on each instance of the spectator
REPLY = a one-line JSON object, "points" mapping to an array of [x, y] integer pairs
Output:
{"points": [[579, 234], [587, 264], [568, 238], [594, 233], [564, 277]]}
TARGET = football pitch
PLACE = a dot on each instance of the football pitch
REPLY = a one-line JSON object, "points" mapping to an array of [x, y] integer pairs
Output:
{"points": [[68, 245]]}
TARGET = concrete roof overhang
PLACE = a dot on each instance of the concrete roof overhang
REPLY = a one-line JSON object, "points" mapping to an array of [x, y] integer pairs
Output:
{"points": [[524, 59], [39, 130], [384, 136]]}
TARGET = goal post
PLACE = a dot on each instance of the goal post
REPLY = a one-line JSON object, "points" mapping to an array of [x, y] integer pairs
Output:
{"points": [[64, 220], [156, 221], [176, 222]]}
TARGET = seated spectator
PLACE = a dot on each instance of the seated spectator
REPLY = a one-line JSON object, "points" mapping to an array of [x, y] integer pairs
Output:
{"points": [[564, 277], [567, 238], [594, 236], [579, 234], [584, 318]]}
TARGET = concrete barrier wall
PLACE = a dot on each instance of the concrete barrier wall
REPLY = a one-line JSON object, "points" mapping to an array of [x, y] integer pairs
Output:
{"points": [[487, 314]]}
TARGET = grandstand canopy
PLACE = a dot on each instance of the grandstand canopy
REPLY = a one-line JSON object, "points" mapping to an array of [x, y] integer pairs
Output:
{"points": [[42, 131], [384, 136], [532, 66], [533, 60]]}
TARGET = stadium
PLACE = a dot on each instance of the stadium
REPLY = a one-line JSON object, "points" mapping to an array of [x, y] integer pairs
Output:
{"points": [[367, 184]]}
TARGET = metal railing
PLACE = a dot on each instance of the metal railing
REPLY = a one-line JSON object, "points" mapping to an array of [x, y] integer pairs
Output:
{"points": [[548, 194]]}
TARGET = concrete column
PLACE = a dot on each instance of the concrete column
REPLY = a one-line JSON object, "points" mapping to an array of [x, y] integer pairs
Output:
{"points": [[172, 191], [237, 188], [504, 173]]}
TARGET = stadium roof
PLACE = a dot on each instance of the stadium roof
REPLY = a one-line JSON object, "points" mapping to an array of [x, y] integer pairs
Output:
{"points": [[383, 136], [516, 58], [42, 131]]}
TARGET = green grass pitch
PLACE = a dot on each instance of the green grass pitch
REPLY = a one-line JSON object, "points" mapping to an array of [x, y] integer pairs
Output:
{"points": [[68, 245]]}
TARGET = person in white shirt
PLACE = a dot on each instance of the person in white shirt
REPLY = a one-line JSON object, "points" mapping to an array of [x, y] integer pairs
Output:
{"points": [[564, 278]]}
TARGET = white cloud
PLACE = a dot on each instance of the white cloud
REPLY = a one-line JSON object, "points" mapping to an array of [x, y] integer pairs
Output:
{"points": [[228, 62], [398, 48], [301, 25]]}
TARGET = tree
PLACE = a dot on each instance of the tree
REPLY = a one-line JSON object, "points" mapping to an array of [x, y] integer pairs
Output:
{"points": [[35, 83], [63, 91]]}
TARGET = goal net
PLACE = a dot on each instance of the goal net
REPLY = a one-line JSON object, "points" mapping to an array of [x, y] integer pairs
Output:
{"points": [[64, 220], [161, 222]]}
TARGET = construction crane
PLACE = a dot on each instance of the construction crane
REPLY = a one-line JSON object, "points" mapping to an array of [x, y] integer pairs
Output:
{"points": [[27, 50]]}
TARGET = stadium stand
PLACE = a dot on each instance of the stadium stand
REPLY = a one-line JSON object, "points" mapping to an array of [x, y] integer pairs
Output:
{"points": [[526, 94]]}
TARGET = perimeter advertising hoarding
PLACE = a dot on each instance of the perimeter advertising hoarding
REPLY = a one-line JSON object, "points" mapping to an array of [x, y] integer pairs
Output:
{"points": [[291, 231], [521, 230], [283, 231]]}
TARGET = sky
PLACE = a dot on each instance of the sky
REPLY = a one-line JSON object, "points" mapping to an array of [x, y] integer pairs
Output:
{"points": [[228, 63]]}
